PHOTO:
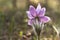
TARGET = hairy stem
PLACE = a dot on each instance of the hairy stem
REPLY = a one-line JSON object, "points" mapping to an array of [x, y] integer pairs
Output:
{"points": [[35, 31], [38, 28]]}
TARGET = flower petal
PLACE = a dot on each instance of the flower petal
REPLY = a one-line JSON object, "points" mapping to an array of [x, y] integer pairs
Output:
{"points": [[30, 22], [45, 19], [42, 12], [29, 15], [32, 10], [38, 8]]}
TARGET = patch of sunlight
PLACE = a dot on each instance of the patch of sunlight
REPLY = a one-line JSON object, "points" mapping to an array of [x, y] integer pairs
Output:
{"points": [[2, 0], [53, 4], [37, 1], [9, 4], [42, 1], [21, 4], [34, 1]]}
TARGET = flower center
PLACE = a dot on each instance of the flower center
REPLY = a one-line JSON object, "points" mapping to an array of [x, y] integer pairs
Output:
{"points": [[37, 18]]}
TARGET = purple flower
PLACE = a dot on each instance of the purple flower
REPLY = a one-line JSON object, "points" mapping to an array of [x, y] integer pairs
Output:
{"points": [[38, 14]]}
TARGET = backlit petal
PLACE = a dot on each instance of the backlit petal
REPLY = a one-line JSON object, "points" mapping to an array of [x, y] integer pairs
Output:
{"points": [[38, 8], [29, 15], [32, 10], [30, 22], [42, 12], [45, 19]]}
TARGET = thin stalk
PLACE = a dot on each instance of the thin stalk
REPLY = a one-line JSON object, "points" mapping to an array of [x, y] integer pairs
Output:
{"points": [[56, 31], [39, 25], [39, 37], [37, 22], [35, 31], [11, 27], [42, 26]]}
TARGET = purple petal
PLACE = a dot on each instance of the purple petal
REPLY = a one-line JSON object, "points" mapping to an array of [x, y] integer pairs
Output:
{"points": [[32, 10], [30, 22], [29, 15], [42, 12], [45, 19], [38, 8]]}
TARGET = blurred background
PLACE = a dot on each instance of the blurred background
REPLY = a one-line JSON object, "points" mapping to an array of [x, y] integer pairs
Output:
{"points": [[13, 17]]}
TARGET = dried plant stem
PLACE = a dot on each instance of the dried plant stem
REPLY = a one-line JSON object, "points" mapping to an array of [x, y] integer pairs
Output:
{"points": [[56, 32]]}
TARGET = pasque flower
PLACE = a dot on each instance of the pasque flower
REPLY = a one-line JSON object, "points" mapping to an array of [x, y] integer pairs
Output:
{"points": [[38, 13]]}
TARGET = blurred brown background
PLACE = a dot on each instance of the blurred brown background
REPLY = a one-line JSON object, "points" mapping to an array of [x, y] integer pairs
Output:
{"points": [[13, 17]]}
